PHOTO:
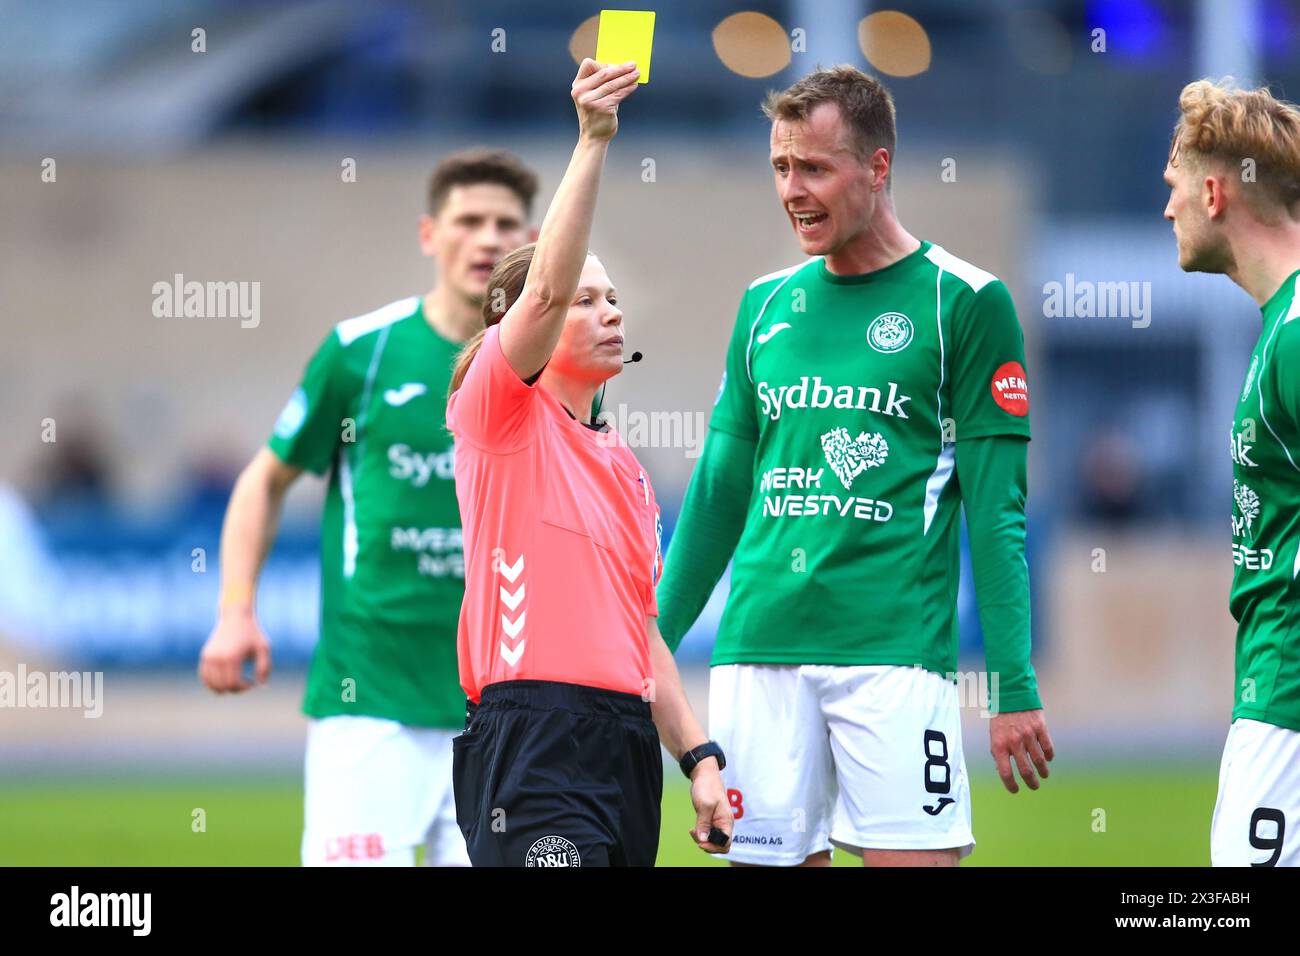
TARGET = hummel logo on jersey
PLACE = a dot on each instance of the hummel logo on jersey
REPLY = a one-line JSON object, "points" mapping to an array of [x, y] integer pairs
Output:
{"points": [[764, 336], [826, 396], [400, 396], [849, 457], [935, 811], [511, 599]]}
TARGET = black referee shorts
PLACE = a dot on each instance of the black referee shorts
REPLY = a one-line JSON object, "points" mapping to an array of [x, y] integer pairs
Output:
{"points": [[553, 774]]}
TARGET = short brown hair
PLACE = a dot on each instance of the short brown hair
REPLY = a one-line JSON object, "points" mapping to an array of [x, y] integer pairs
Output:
{"points": [[482, 165], [1219, 122], [865, 104], [505, 285]]}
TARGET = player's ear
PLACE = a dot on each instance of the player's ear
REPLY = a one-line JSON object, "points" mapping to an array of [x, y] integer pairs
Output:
{"points": [[880, 162], [1213, 196], [428, 232]]}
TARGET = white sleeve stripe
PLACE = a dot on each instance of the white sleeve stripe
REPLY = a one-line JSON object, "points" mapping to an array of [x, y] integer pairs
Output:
{"points": [[973, 276], [350, 539], [1294, 311], [349, 330], [943, 468], [782, 272]]}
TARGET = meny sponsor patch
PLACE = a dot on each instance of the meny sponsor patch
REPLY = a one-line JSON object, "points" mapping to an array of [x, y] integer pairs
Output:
{"points": [[1011, 389]]}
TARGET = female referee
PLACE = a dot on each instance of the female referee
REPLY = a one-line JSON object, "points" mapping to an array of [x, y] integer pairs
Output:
{"points": [[567, 675]]}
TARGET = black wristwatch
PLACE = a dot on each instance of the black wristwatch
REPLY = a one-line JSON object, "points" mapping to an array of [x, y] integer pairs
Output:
{"points": [[691, 758]]}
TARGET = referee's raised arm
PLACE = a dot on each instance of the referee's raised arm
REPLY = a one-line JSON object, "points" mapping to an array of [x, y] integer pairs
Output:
{"points": [[531, 327]]}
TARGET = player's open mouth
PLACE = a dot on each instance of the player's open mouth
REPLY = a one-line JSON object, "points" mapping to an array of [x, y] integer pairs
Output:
{"points": [[808, 221]]}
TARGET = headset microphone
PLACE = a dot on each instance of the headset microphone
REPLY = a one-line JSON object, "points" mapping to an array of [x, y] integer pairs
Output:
{"points": [[636, 357]]}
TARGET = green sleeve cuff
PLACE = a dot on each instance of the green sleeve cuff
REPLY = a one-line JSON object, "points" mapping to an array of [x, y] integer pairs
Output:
{"points": [[1009, 703]]}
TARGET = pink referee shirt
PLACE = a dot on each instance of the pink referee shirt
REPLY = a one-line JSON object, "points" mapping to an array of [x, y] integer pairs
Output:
{"points": [[561, 535]]}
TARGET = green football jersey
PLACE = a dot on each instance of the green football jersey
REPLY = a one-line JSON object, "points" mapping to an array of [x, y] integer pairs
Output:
{"points": [[855, 389], [371, 410], [1266, 519]]}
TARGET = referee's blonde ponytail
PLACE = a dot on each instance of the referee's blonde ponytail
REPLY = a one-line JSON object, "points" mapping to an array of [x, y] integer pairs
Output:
{"points": [[505, 285]]}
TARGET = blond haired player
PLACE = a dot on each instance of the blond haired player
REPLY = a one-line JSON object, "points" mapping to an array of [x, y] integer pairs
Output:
{"points": [[1234, 199]]}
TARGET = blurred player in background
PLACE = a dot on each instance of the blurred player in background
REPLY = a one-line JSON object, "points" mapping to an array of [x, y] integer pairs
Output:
{"points": [[383, 691], [869, 393], [1234, 199]]}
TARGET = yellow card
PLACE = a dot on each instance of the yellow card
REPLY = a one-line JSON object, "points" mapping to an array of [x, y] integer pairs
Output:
{"points": [[624, 36]]}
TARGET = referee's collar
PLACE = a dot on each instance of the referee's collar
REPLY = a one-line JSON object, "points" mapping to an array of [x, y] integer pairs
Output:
{"points": [[596, 426]]}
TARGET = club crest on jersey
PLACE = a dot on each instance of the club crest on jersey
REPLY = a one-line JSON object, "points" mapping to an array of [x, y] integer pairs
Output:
{"points": [[1011, 389], [552, 851], [1250, 377], [889, 332], [849, 457]]}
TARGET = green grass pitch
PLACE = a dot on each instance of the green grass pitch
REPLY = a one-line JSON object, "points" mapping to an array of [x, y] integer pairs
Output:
{"points": [[1152, 816]]}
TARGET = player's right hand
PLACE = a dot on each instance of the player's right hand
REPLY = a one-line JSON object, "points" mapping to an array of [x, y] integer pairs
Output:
{"points": [[597, 91], [235, 639], [712, 808], [1021, 737]]}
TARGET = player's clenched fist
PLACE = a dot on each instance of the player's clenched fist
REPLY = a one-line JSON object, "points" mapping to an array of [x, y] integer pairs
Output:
{"points": [[597, 91], [235, 639], [713, 816]]}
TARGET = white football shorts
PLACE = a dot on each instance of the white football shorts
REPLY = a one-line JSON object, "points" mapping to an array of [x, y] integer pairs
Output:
{"points": [[1257, 813], [853, 756], [377, 789]]}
